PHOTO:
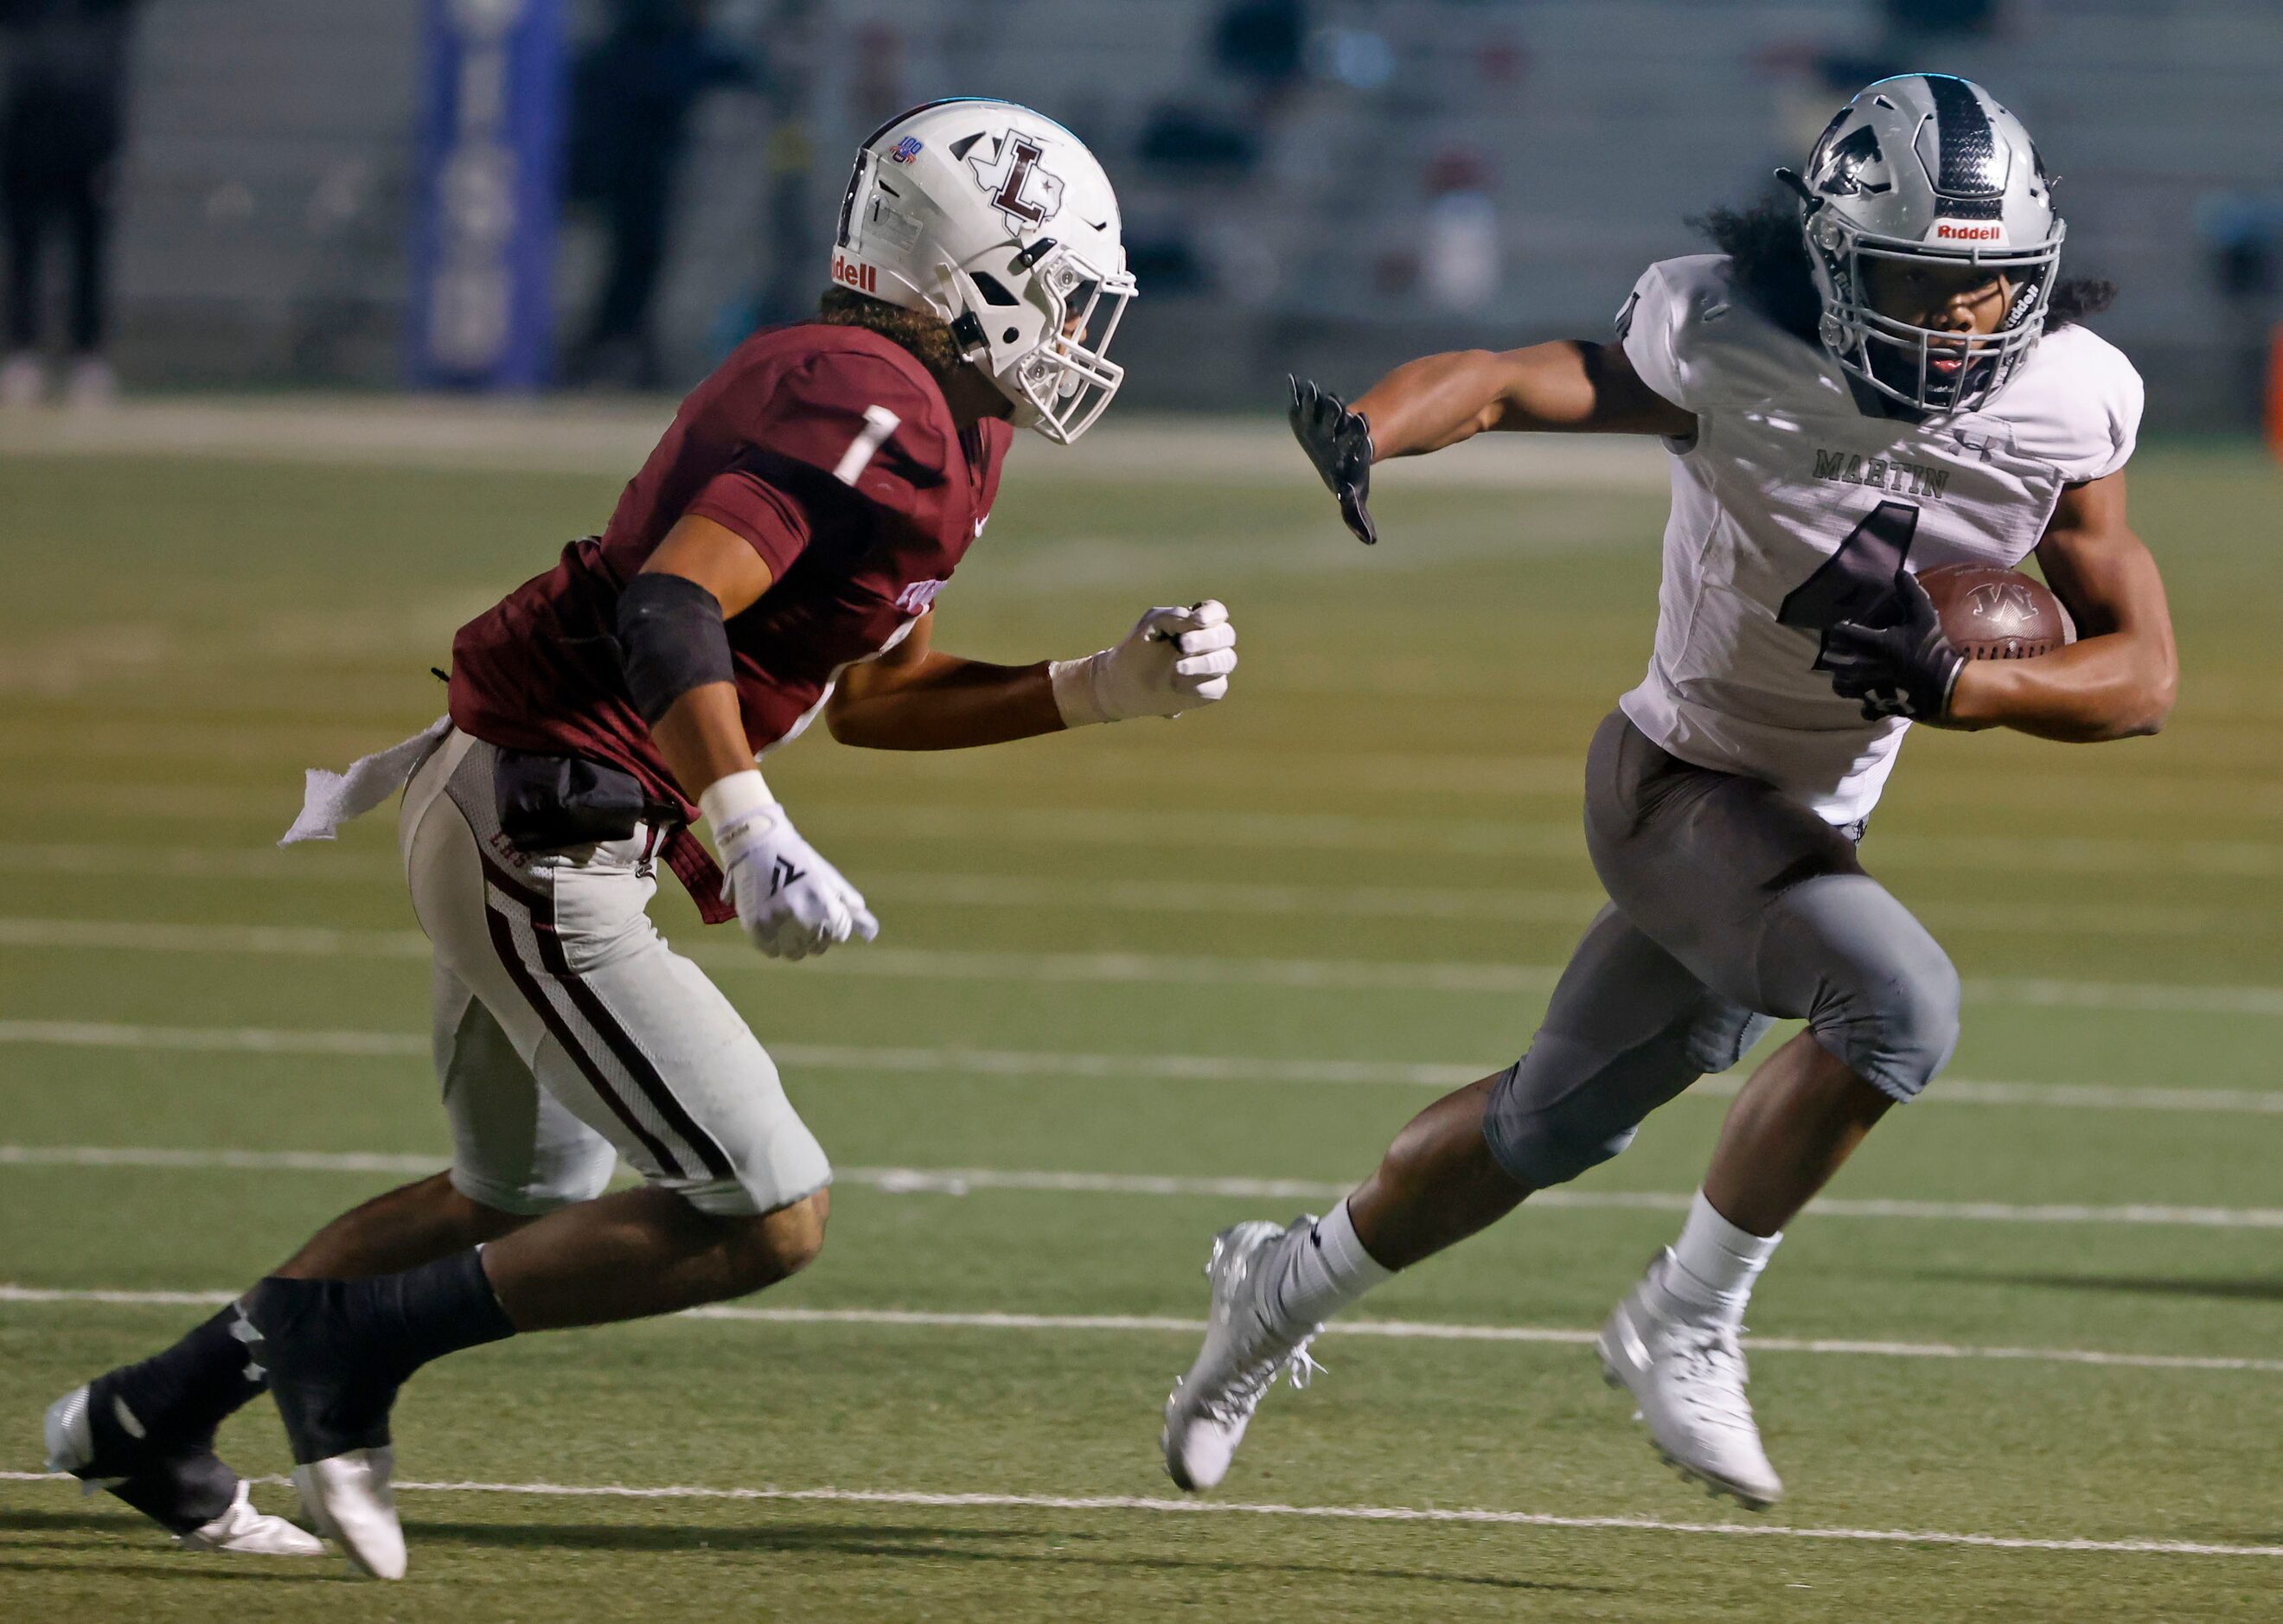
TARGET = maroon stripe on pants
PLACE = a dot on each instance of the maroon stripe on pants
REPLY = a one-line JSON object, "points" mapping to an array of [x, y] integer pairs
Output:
{"points": [[619, 1040], [534, 995]]}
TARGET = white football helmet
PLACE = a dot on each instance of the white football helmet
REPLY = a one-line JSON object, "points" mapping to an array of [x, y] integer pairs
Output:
{"points": [[1927, 167], [999, 220]]}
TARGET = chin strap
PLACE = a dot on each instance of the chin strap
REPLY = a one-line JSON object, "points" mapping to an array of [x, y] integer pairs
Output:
{"points": [[967, 332], [1790, 178]]}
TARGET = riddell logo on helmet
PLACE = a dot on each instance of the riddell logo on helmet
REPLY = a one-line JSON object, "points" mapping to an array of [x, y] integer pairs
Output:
{"points": [[1949, 233], [855, 274]]}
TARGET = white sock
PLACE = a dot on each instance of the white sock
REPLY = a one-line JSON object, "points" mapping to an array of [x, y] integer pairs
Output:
{"points": [[1709, 1278], [1322, 1270]]}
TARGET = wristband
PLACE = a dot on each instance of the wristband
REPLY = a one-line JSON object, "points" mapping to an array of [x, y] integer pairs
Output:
{"points": [[1074, 695], [737, 795]]}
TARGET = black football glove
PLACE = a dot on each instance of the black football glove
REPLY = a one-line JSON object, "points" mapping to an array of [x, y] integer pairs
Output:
{"points": [[1338, 441], [1903, 667]]}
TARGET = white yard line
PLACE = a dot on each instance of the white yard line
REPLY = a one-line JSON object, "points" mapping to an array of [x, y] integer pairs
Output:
{"points": [[1554, 837], [965, 1181], [117, 1299], [1402, 1331], [223, 1040], [1520, 905], [1463, 1517], [1145, 969], [1177, 829], [960, 1181], [1158, 1067], [2082, 1095], [231, 862], [218, 1160]]}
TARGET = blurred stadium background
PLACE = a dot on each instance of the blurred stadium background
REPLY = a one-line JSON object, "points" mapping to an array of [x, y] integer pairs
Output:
{"points": [[1325, 185], [1140, 983]]}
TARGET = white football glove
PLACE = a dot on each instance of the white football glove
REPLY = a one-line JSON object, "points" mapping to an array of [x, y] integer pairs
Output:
{"points": [[1172, 660], [790, 900]]}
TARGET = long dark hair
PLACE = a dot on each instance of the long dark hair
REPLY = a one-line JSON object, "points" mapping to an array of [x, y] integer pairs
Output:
{"points": [[1770, 259], [926, 336]]}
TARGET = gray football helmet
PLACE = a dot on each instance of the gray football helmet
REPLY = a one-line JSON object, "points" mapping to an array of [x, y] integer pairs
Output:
{"points": [[1927, 167]]}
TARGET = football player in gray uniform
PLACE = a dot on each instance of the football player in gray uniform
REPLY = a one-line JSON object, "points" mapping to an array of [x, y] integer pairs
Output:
{"points": [[1880, 375]]}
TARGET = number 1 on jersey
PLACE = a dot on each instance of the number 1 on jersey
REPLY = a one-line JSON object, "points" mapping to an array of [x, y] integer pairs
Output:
{"points": [[879, 423], [1846, 585]]}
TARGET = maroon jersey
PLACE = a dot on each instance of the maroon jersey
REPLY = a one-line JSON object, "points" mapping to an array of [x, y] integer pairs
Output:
{"points": [[830, 450]]}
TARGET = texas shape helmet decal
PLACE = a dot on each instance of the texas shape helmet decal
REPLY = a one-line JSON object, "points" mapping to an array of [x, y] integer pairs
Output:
{"points": [[1028, 195]]}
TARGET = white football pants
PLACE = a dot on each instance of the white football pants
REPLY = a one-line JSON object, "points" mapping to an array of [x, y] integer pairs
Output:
{"points": [[567, 1033]]}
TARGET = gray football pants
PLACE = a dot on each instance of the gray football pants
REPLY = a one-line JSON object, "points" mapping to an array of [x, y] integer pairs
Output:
{"points": [[1731, 905]]}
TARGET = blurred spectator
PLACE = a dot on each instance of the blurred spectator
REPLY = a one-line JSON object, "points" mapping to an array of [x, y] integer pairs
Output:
{"points": [[1210, 139], [1360, 59], [1460, 259], [879, 88], [1916, 34], [790, 294], [1165, 260], [632, 92], [794, 232], [1261, 43], [1503, 62], [2242, 234], [1194, 143], [61, 125]]}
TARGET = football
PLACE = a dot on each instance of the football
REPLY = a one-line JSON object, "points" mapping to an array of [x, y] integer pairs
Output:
{"points": [[1994, 613]]}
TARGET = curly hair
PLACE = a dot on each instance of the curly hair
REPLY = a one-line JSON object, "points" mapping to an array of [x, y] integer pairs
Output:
{"points": [[1771, 259], [927, 337]]}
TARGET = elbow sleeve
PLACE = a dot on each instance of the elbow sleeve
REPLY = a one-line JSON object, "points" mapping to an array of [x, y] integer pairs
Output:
{"points": [[671, 640]]}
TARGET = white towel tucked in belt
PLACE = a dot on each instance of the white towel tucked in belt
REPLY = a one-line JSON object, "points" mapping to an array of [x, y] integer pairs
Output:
{"points": [[331, 798]]}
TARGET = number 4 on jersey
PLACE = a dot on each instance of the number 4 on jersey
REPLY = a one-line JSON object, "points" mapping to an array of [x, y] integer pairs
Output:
{"points": [[1850, 582]]}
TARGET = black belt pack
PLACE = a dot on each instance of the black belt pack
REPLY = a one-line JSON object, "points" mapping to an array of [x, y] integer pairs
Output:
{"points": [[548, 802]]}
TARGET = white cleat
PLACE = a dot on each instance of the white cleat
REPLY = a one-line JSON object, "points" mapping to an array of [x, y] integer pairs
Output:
{"points": [[70, 1437], [1245, 1351], [251, 1533], [348, 1500], [1688, 1380]]}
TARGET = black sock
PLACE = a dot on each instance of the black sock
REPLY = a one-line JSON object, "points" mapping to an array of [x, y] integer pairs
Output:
{"points": [[405, 1320], [185, 1393], [340, 1349]]}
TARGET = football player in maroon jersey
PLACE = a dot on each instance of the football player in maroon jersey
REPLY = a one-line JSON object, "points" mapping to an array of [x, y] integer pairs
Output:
{"points": [[777, 556]]}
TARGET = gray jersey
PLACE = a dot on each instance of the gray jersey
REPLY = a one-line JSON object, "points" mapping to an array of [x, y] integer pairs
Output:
{"points": [[1787, 477]]}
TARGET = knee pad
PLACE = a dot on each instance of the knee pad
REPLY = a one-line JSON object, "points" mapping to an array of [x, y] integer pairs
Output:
{"points": [[1899, 1029], [1547, 1121], [1569, 1104], [787, 1167], [1927, 1022], [562, 1182], [1878, 991], [1542, 1146]]}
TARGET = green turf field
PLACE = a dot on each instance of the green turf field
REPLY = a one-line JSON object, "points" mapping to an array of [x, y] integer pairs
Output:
{"points": [[1132, 985]]}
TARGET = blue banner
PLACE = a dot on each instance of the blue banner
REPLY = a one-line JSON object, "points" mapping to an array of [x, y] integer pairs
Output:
{"points": [[483, 244]]}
